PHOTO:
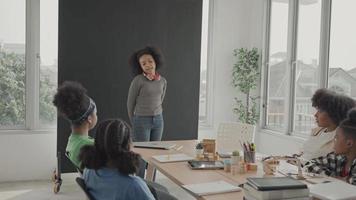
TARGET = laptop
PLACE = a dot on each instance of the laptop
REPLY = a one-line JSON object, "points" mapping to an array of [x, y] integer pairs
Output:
{"points": [[153, 145]]}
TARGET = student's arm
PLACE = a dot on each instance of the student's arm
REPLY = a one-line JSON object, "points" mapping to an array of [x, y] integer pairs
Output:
{"points": [[164, 90], [131, 97], [322, 165]]}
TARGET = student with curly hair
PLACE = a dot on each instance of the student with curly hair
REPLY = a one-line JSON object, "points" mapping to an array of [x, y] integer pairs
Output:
{"points": [[342, 162], [79, 109], [331, 109], [146, 95], [109, 165]]}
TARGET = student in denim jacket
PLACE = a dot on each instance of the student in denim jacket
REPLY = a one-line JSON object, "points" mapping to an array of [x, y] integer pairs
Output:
{"points": [[342, 162], [110, 165]]}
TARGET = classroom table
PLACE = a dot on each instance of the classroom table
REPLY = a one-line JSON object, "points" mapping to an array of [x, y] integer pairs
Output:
{"points": [[181, 174]]}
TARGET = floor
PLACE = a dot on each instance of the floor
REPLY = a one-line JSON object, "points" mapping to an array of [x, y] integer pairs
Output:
{"points": [[43, 190]]}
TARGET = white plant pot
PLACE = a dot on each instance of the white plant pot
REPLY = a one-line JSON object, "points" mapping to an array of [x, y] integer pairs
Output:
{"points": [[235, 160], [199, 152]]}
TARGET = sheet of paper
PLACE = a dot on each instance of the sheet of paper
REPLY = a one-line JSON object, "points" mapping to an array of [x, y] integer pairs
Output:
{"points": [[201, 189], [172, 157]]}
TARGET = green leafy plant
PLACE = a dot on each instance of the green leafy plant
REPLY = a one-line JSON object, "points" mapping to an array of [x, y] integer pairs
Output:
{"points": [[236, 153], [199, 146], [245, 74], [12, 91]]}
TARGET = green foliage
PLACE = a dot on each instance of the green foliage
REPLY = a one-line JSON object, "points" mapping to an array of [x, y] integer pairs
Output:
{"points": [[47, 91], [236, 153], [12, 91], [245, 74]]}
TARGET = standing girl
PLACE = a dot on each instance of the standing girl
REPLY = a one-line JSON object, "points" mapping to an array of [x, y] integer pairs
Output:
{"points": [[146, 95]]}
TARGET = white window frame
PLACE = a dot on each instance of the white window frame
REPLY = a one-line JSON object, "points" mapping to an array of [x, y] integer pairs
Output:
{"points": [[32, 74], [207, 121], [291, 60]]}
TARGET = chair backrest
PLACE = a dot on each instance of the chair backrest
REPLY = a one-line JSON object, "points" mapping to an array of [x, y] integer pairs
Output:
{"points": [[80, 171], [231, 133], [82, 185]]}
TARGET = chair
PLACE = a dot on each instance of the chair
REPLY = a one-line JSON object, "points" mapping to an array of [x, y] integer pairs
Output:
{"points": [[82, 185], [230, 134], [80, 171]]}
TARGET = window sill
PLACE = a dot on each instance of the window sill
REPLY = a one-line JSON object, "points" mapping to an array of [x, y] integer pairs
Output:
{"points": [[282, 135], [28, 132]]}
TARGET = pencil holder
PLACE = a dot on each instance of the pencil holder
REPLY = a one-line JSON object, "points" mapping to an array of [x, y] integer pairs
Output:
{"points": [[249, 156]]}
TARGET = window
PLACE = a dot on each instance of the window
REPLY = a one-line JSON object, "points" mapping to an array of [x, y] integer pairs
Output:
{"points": [[342, 64], [12, 63], [27, 79], [277, 95], [205, 72], [307, 47]]}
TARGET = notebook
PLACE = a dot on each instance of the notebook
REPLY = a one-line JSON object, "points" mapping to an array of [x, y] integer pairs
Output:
{"points": [[172, 158], [153, 145], [336, 190], [275, 183], [201, 189]]}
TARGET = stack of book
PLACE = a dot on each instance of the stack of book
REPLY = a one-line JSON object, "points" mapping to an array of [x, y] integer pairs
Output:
{"points": [[275, 188]]}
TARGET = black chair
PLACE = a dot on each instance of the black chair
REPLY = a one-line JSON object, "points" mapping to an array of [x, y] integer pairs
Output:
{"points": [[80, 171], [82, 185]]}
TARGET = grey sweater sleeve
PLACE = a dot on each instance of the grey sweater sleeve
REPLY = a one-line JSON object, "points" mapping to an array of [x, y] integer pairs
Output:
{"points": [[164, 90], [131, 98]]}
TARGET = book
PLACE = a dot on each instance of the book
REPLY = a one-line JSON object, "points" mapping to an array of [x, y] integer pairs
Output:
{"points": [[275, 194], [336, 190], [247, 196], [172, 158], [216, 187], [275, 183]]}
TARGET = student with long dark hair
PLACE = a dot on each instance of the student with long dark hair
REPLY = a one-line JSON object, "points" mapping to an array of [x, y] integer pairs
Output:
{"points": [[342, 162], [79, 109], [110, 165]]}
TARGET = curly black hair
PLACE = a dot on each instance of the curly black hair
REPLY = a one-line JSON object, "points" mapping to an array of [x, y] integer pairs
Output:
{"points": [[71, 101], [149, 50], [349, 124], [112, 146], [336, 106], [319, 94]]}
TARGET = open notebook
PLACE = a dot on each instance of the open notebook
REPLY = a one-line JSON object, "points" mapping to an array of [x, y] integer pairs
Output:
{"points": [[201, 189], [335, 190], [172, 157]]}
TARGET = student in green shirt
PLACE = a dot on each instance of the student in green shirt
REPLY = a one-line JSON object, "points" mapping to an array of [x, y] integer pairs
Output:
{"points": [[79, 109]]}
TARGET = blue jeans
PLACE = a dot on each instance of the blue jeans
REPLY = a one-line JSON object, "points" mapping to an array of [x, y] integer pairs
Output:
{"points": [[147, 128]]}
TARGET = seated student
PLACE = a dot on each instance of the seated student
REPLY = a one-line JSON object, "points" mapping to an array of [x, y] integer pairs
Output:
{"points": [[110, 164], [331, 110], [79, 109], [342, 162]]}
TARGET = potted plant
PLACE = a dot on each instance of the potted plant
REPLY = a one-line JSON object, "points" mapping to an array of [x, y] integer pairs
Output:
{"points": [[245, 74], [199, 149], [235, 157]]}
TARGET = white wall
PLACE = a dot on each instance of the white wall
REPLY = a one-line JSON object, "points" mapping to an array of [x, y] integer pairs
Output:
{"points": [[232, 24], [27, 156]]}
